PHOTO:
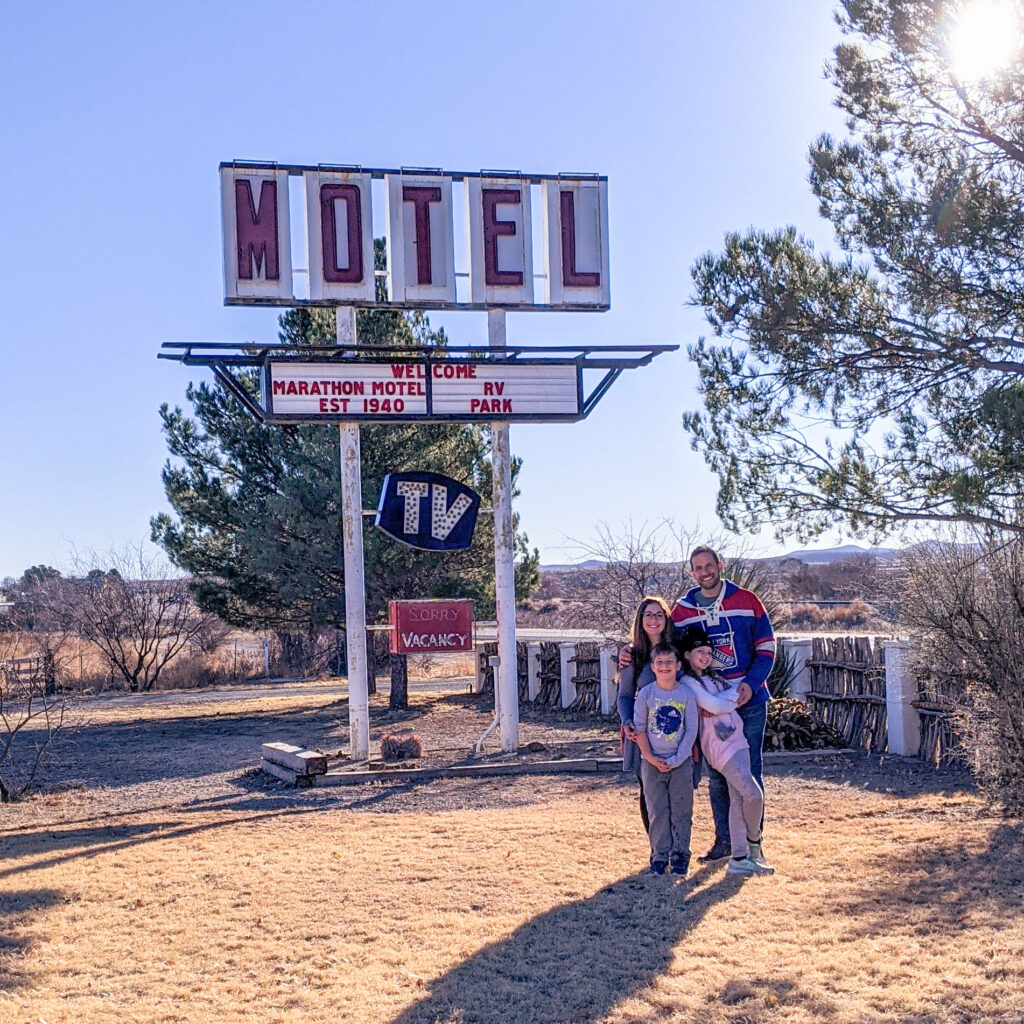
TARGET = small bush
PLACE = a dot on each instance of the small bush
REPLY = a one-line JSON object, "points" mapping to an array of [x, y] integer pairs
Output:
{"points": [[399, 746]]}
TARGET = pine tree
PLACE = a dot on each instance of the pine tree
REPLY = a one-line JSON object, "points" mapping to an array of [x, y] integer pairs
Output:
{"points": [[883, 385]]}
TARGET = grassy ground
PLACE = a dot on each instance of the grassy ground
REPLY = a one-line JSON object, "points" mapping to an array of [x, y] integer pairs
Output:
{"points": [[221, 897]]}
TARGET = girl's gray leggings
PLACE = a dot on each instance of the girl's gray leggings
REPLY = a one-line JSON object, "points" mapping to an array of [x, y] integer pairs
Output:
{"points": [[746, 802]]}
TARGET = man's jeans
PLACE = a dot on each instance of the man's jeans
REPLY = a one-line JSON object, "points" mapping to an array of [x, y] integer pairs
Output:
{"points": [[754, 720]]}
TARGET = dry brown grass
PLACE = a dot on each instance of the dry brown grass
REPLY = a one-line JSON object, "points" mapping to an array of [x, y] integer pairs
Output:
{"points": [[490, 901]]}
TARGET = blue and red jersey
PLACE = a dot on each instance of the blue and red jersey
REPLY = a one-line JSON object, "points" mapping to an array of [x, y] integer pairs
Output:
{"points": [[741, 632]]}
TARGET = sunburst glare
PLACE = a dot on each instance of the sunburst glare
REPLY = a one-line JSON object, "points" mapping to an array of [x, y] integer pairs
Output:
{"points": [[985, 38]]}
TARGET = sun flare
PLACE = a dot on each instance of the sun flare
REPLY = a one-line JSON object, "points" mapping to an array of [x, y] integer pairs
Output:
{"points": [[985, 38]]}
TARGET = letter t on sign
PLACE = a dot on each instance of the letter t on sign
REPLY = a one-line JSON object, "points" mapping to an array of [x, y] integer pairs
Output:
{"points": [[421, 247]]}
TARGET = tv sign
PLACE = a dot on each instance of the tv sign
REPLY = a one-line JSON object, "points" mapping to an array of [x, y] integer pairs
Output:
{"points": [[431, 627], [428, 511]]}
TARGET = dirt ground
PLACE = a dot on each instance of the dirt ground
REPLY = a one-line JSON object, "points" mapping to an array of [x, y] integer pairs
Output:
{"points": [[158, 876]]}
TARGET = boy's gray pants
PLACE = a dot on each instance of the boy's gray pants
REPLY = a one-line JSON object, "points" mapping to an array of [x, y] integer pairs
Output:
{"points": [[669, 798]]}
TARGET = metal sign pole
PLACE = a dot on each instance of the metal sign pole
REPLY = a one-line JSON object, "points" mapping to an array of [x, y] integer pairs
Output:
{"points": [[507, 695], [355, 591]]}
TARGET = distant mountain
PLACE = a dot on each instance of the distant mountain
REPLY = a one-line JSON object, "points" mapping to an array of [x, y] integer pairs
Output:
{"points": [[838, 554], [805, 555]]}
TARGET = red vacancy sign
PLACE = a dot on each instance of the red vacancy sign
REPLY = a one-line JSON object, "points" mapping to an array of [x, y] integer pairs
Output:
{"points": [[430, 627]]}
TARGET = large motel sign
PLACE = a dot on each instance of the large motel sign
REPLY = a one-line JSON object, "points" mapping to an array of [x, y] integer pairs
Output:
{"points": [[422, 211]]}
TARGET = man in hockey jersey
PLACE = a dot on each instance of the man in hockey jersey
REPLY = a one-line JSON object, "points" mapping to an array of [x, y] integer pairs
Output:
{"points": [[744, 649]]}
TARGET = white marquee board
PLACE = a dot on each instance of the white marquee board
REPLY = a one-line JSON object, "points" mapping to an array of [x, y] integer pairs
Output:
{"points": [[297, 391]]}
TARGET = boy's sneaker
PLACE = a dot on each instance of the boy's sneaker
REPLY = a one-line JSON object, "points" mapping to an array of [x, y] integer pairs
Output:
{"points": [[719, 851], [746, 866], [680, 864], [757, 856], [658, 867]]}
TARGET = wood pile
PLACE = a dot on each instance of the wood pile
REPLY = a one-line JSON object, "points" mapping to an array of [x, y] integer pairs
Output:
{"points": [[292, 764]]}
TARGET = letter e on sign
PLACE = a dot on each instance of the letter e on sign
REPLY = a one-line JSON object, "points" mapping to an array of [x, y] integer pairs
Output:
{"points": [[576, 229], [257, 233], [500, 241], [340, 232]]}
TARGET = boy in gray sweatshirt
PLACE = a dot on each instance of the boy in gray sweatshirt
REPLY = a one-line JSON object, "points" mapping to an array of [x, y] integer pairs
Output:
{"points": [[665, 718]]}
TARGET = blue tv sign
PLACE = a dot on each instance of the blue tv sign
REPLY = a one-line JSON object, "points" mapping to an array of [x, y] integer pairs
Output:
{"points": [[428, 511]]}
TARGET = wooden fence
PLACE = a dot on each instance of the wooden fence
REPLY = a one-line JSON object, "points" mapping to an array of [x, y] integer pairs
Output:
{"points": [[847, 688], [938, 696]]}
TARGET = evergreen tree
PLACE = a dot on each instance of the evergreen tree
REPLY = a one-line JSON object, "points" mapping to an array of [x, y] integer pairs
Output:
{"points": [[882, 386], [257, 508]]}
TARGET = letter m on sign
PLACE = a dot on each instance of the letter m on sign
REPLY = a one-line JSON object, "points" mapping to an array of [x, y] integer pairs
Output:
{"points": [[257, 243]]}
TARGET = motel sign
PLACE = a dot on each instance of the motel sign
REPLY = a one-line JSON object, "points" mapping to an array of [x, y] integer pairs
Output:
{"points": [[508, 260], [419, 221]]}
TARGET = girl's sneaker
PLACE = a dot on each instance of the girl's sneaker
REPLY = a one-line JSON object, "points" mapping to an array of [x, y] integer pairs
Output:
{"points": [[746, 866], [757, 856], [658, 867]]}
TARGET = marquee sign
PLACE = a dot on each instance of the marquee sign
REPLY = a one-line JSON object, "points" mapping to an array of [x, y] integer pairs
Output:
{"points": [[295, 391], [427, 510], [420, 219], [430, 627]]}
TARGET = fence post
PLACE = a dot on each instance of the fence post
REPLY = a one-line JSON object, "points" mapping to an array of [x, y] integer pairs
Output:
{"points": [[566, 652], [478, 671], [900, 690], [800, 651], [532, 671], [607, 658]]}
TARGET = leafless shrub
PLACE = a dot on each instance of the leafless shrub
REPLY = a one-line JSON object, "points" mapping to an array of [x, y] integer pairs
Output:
{"points": [[132, 607], [32, 705], [964, 603]]}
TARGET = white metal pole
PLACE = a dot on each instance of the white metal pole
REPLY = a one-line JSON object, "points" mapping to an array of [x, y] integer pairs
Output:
{"points": [[355, 591], [507, 698]]}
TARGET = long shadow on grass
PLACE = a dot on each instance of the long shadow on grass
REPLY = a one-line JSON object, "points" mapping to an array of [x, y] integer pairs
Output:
{"points": [[65, 845], [15, 910], [577, 961], [879, 773], [935, 886]]}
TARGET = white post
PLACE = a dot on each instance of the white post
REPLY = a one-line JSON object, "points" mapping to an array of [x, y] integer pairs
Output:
{"points": [[532, 671], [266, 657], [904, 723], [608, 659], [800, 651], [355, 591], [567, 693], [504, 560]]}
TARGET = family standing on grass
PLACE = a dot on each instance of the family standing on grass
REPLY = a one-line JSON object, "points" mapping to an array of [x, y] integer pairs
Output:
{"points": [[692, 690]]}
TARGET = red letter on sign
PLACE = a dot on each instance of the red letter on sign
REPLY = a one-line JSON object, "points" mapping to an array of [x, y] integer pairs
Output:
{"points": [[353, 273], [256, 230], [421, 197], [493, 229], [569, 274]]}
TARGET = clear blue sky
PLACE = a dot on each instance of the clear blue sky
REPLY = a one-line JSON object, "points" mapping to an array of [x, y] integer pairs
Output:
{"points": [[116, 115]]}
